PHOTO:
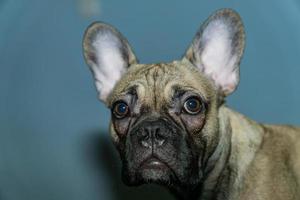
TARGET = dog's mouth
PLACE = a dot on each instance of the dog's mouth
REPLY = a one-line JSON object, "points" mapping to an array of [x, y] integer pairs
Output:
{"points": [[153, 163]]}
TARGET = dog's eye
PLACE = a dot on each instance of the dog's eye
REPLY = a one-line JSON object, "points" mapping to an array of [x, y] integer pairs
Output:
{"points": [[192, 105], [120, 109]]}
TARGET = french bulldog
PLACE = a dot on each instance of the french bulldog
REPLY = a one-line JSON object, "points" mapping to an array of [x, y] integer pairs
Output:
{"points": [[171, 126]]}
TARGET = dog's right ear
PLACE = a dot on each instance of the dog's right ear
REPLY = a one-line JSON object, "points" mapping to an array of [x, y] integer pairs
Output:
{"points": [[108, 55]]}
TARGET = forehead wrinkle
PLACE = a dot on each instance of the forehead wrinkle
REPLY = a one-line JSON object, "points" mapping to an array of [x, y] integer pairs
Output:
{"points": [[120, 92], [197, 82], [155, 82], [152, 77], [155, 79], [160, 80], [188, 88], [139, 76], [187, 81]]}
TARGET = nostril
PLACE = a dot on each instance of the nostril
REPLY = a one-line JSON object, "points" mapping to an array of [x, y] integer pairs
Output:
{"points": [[144, 135], [159, 136], [157, 130], [144, 138], [146, 143]]}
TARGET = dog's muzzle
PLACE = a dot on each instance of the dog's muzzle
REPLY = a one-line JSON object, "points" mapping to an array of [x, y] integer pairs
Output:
{"points": [[156, 150]]}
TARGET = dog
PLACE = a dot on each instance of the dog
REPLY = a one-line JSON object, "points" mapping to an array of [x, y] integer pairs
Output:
{"points": [[171, 126]]}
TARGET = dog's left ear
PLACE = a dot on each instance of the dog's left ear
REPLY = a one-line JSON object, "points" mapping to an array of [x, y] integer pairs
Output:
{"points": [[217, 49]]}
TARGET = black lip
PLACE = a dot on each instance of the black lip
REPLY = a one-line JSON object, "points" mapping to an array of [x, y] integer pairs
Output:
{"points": [[153, 163]]}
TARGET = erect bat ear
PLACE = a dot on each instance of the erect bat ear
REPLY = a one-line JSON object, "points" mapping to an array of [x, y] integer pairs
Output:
{"points": [[217, 49], [108, 55]]}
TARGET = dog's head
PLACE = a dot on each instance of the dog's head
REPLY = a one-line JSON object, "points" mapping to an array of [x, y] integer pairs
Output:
{"points": [[165, 116]]}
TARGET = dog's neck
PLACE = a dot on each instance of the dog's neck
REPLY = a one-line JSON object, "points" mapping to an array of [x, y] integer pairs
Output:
{"points": [[240, 138]]}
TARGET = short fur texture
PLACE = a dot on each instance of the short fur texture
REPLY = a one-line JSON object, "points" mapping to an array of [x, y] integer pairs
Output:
{"points": [[216, 154]]}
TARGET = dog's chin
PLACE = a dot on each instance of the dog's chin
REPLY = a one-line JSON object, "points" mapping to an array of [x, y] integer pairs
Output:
{"points": [[147, 176], [152, 171], [155, 176]]}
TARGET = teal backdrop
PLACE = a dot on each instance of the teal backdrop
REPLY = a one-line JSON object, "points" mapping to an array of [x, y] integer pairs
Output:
{"points": [[54, 143]]}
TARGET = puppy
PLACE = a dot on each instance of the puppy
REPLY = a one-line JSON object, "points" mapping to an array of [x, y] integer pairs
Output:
{"points": [[171, 126]]}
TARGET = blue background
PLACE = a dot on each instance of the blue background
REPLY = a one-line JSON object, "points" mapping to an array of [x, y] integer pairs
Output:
{"points": [[54, 143]]}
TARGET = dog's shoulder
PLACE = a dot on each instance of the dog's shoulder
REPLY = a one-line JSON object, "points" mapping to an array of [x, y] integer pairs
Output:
{"points": [[283, 130], [276, 163], [265, 156], [283, 141]]}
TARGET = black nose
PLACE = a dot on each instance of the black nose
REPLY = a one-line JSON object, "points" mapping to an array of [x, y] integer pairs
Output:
{"points": [[152, 134]]}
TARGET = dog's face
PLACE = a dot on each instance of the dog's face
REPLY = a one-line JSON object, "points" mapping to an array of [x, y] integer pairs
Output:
{"points": [[156, 117], [165, 116]]}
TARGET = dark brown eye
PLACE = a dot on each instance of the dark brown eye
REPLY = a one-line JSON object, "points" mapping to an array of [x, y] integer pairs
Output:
{"points": [[120, 109], [192, 105]]}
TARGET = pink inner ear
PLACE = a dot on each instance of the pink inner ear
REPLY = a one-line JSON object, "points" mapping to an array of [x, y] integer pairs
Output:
{"points": [[219, 63], [108, 63], [217, 49], [227, 82]]}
